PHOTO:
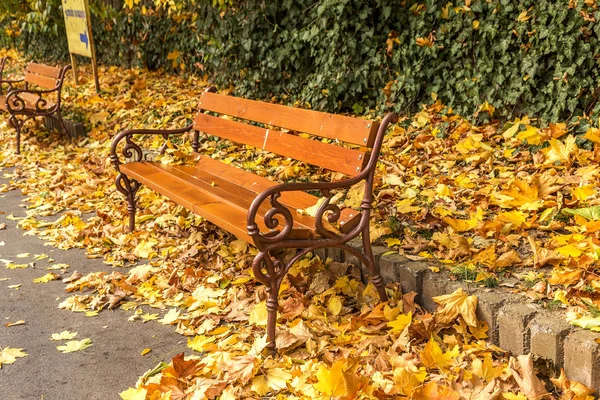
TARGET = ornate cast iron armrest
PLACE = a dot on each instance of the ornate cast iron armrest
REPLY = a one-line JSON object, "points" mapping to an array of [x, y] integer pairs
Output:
{"points": [[16, 105], [133, 150], [279, 211]]}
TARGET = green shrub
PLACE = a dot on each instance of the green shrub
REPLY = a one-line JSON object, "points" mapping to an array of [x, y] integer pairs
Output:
{"points": [[539, 58]]}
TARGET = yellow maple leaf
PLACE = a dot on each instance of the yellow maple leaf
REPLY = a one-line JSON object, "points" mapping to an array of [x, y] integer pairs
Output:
{"points": [[64, 335], [593, 134], [587, 322], [582, 193], [259, 314], [401, 322], [46, 278], [513, 396], [9, 355], [408, 380], [331, 380], [424, 42], [278, 378], [487, 257], [405, 206], [571, 389], [486, 107], [334, 305], [145, 249], [75, 345], [562, 152], [455, 304], [432, 356], [461, 225], [570, 250], [484, 368], [200, 342], [532, 135]]}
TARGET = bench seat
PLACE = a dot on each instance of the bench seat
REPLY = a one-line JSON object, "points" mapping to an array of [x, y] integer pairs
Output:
{"points": [[222, 194], [30, 101]]}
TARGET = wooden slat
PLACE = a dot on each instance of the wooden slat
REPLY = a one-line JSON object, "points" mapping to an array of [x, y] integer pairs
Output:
{"points": [[330, 156], [30, 101], [258, 184], [339, 127], [40, 80], [215, 209], [231, 193], [41, 69], [32, 98]]}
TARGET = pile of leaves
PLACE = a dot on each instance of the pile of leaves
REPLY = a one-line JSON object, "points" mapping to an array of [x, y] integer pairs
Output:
{"points": [[487, 201]]}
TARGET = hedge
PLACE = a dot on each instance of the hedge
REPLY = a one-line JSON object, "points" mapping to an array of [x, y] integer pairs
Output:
{"points": [[540, 58]]}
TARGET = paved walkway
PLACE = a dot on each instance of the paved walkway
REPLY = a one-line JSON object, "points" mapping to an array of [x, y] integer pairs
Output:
{"points": [[114, 361]]}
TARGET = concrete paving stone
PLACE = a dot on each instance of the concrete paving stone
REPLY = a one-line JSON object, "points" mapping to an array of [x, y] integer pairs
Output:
{"points": [[350, 258], [411, 276], [488, 306], [582, 358], [389, 265], [434, 284], [548, 332], [512, 327], [336, 254], [321, 253]]}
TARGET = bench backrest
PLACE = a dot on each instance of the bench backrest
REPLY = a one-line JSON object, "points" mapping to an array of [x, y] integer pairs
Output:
{"points": [[43, 75], [340, 128]]}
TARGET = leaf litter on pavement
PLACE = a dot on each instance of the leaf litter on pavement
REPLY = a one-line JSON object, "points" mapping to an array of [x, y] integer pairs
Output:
{"points": [[484, 201]]}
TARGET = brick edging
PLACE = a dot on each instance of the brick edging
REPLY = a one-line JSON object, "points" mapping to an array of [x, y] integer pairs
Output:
{"points": [[515, 324]]}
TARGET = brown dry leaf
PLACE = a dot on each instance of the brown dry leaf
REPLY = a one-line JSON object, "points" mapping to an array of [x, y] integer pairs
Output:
{"points": [[210, 388], [543, 256], [523, 373], [509, 259], [455, 304], [241, 369], [16, 323], [571, 389]]}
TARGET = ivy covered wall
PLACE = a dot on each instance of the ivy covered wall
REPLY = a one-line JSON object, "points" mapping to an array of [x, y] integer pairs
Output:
{"points": [[540, 58]]}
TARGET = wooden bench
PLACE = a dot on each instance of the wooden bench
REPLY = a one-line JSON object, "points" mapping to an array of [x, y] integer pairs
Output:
{"points": [[41, 101], [255, 208]]}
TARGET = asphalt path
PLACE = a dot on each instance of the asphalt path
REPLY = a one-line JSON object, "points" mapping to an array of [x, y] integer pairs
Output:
{"points": [[113, 362]]}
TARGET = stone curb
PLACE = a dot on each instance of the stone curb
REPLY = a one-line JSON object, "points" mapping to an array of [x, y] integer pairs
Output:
{"points": [[515, 324]]}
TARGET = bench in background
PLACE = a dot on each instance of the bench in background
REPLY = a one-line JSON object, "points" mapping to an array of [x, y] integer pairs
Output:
{"points": [[41, 100]]}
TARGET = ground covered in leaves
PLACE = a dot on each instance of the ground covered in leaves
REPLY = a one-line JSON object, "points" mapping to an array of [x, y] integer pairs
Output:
{"points": [[483, 200]]}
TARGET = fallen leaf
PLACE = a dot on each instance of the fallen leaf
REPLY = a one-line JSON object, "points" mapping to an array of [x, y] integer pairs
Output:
{"points": [[19, 322], [75, 345], [9, 355], [455, 304], [523, 372], [64, 335]]}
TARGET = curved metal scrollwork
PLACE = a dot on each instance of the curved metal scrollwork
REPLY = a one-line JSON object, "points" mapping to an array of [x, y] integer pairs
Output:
{"points": [[273, 216], [272, 272], [132, 151], [41, 106], [15, 104], [125, 185], [333, 216]]}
